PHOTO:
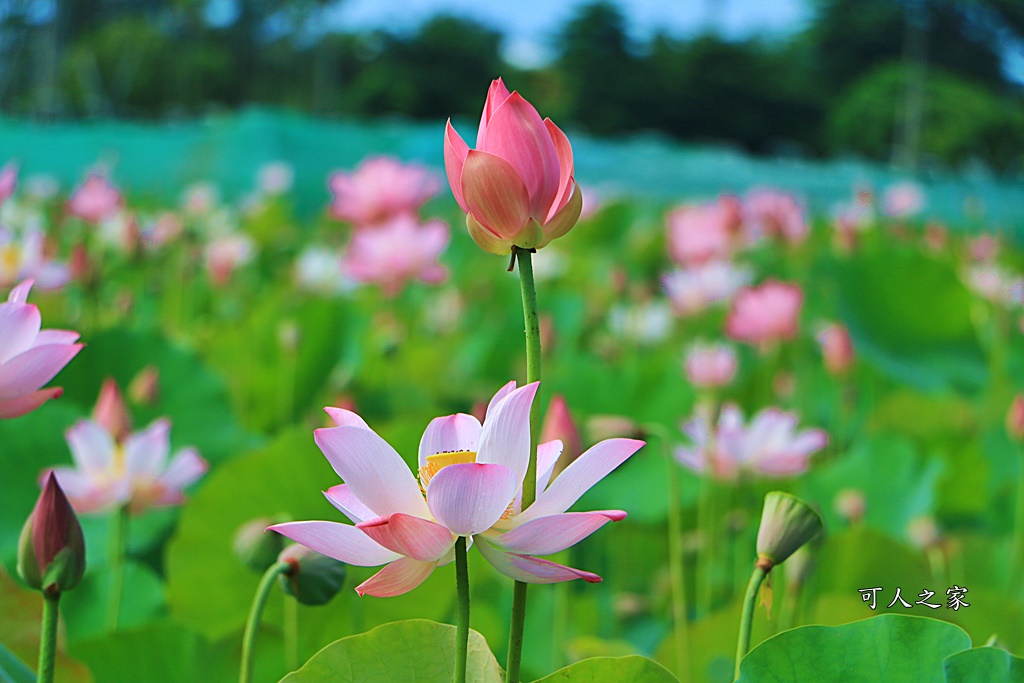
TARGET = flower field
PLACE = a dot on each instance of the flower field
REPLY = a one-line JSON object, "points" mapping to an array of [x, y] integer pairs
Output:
{"points": [[684, 361]]}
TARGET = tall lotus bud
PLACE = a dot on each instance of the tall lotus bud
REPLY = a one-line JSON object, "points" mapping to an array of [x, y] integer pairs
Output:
{"points": [[558, 424], [1015, 419], [836, 348], [517, 186], [144, 389], [313, 579], [110, 412], [786, 524], [51, 550], [256, 548]]}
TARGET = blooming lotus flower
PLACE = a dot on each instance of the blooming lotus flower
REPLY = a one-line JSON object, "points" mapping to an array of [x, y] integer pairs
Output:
{"points": [[134, 472], [836, 348], [470, 484], [95, 200], [765, 314], [380, 189], [776, 214], [110, 411], [517, 186], [710, 365], [29, 357], [702, 233], [904, 199], [694, 289], [769, 446], [8, 181], [395, 252], [227, 253], [26, 259]]}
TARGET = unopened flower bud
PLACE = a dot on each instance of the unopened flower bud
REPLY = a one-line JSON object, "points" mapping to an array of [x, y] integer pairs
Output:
{"points": [[850, 505], [51, 550], [254, 547], [144, 389], [836, 348], [313, 578], [558, 424], [110, 411], [786, 524], [1015, 419]]}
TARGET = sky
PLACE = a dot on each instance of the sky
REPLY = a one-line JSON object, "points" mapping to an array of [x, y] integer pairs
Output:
{"points": [[530, 25]]}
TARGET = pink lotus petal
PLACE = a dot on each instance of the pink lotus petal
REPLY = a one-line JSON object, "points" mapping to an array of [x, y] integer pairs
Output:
{"points": [[146, 452], [91, 447], [399, 577], [531, 569], [19, 325], [26, 403], [504, 391], [185, 468], [447, 434], [345, 418], [55, 337], [554, 533], [497, 93], [341, 497], [470, 497], [486, 238], [495, 194], [517, 134], [373, 470], [410, 536], [583, 473], [566, 186], [19, 294], [505, 438], [566, 217], [455, 151], [342, 542], [30, 370], [547, 455]]}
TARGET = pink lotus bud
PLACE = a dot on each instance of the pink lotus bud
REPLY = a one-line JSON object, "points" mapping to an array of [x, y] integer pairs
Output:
{"points": [[836, 348], [516, 186], [1015, 419], [110, 412], [558, 424], [8, 181], [936, 236], [95, 200], [144, 389], [548, 334], [702, 233], [765, 314], [51, 550], [710, 366], [225, 254], [850, 505], [380, 189]]}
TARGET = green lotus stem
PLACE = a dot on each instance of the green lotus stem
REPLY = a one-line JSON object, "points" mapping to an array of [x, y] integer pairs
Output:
{"points": [[747, 617], [48, 638], [259, 601], [291, 632], [462, 610], [118, 550], [1018, 527], [677, 565], [531, 317]]}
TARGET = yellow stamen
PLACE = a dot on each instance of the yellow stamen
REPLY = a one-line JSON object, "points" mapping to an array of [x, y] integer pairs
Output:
{"points": [[438, 461]]}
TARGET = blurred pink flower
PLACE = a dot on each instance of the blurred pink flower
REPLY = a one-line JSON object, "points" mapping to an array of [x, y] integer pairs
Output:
{"points": [[26, 259], [768, 446], [517, 185], [395, 252], [95, 199], [765, 314], [1015, 418], [710, 365], [983, 248], [693, 289], [109, 473], [8, 181], [903, 200], [470, 484], [995, 283], [836, 348], [225, 254], [164, 229], [776, 214], [701, 233], [29, 357], [380, 189]]}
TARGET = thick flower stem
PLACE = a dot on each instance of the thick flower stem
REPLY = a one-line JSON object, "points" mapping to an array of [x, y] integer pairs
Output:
{"points": [[48, 638], [118, 550], [532, 319], [462, 610], [677, 566], [259, 601], [747, 617]]}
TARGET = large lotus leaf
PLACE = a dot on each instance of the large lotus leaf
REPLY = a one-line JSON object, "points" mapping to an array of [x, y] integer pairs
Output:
{"points": [[632, 668], [863, 558], [210, 589], [85, 608], [413, 651], [190, 395], [898, 485], [889, 648], [983, 665]]}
